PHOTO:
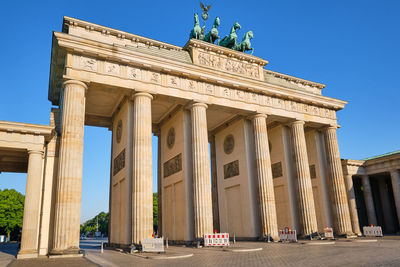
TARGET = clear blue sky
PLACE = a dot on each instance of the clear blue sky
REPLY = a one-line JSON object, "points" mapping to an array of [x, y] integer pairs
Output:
{"points": [[351, 46]]}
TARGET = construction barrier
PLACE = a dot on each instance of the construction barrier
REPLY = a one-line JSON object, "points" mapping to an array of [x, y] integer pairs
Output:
{"points": [[216, 240], [372, 231], [328, 233], [288, 235], [153, 245]]}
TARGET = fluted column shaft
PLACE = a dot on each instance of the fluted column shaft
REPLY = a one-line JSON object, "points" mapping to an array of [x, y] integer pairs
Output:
{"points": [[351, 197], [203, 219], [30, 224], [394, 174], [307, 216], [369, 201], [340, 205], [269, 225], [69, 181], [142, 191]]}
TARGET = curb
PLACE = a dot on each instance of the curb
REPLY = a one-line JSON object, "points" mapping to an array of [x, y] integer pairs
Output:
{"points": [[165, 257], [242, 250]]}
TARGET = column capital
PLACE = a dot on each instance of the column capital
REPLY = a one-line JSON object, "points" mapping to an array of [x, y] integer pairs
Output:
{"points": [[198, 104], [329, 127], [394, 171], [39, 152], [142, 94], [296, 122], [258, 115], [76, 82]]}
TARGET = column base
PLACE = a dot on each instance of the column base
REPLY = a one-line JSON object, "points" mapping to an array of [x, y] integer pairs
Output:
{"points": [[69, 251], [27, 254]]}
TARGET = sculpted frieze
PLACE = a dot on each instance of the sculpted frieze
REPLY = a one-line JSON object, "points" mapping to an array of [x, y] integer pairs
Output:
{"points": [[228, 64], [134, 73], [188, 84], [87, 63], [173, 81], [111, 68]]}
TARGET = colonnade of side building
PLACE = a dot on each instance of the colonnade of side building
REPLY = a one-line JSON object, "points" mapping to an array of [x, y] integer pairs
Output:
{"points": [[373, 189]]}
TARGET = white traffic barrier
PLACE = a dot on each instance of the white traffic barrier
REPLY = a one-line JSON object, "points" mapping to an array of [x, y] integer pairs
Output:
{"points": [[153, 245], [372, 231], [328, 233], [288, 235], [216, 240]]}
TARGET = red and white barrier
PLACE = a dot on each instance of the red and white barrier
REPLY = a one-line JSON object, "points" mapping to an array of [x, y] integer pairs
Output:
{"points": [[288, 235], [328, 233], [372, 231], [216, 240]]}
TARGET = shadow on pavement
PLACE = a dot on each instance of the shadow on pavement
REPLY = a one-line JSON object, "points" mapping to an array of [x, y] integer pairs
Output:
{"points": [[9, 248]]}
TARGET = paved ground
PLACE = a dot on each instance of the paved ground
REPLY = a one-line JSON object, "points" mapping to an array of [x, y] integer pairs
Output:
{"points": [[383, 252]]}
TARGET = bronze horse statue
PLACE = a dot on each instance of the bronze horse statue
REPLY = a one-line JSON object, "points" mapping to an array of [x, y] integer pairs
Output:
{"points": [[245, 44], [229, 41], [212, 35], [196, 32]]}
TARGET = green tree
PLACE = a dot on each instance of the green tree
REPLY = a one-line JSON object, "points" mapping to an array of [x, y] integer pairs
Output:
{"points": [[11, 212], [155, 212], [90, 226]]}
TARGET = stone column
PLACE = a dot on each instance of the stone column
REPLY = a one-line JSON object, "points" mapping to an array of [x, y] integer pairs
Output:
{"points": [[307, 216], [386, 206], [203, 219], [69, 181], [394, 174], [369, 201], [30, 224], [351, 197], [142, 193], [269, 225], [340, 205]]}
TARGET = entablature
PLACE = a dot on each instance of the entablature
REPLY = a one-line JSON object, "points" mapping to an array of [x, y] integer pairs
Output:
{"points": [[89, 56]]}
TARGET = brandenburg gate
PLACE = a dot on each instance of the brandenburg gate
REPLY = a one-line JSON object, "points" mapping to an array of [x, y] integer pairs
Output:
{"points": [[241, 149]]}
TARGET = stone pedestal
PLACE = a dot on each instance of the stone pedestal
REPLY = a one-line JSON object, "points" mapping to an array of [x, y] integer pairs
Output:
{"points": [[369, 201], [394, 174], [30, 225], [203, 219], [269, 225], [340, 205], [69, 181], [351, 198], [142, 191], [307, 216]]}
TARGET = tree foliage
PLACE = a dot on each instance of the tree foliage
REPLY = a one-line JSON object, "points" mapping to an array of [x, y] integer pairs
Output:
{"points": [[155, 212], [90, 226], [11, 212]]}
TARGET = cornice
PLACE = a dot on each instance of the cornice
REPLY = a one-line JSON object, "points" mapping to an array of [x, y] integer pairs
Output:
{"points": [[295, 79], [27, 128], [68, 22], [128, 56], [352, 162]]}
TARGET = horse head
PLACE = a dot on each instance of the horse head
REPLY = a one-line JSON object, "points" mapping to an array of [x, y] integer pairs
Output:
{"points": [[248, 35], [216, 22], [237, 26], [196, 19]]}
